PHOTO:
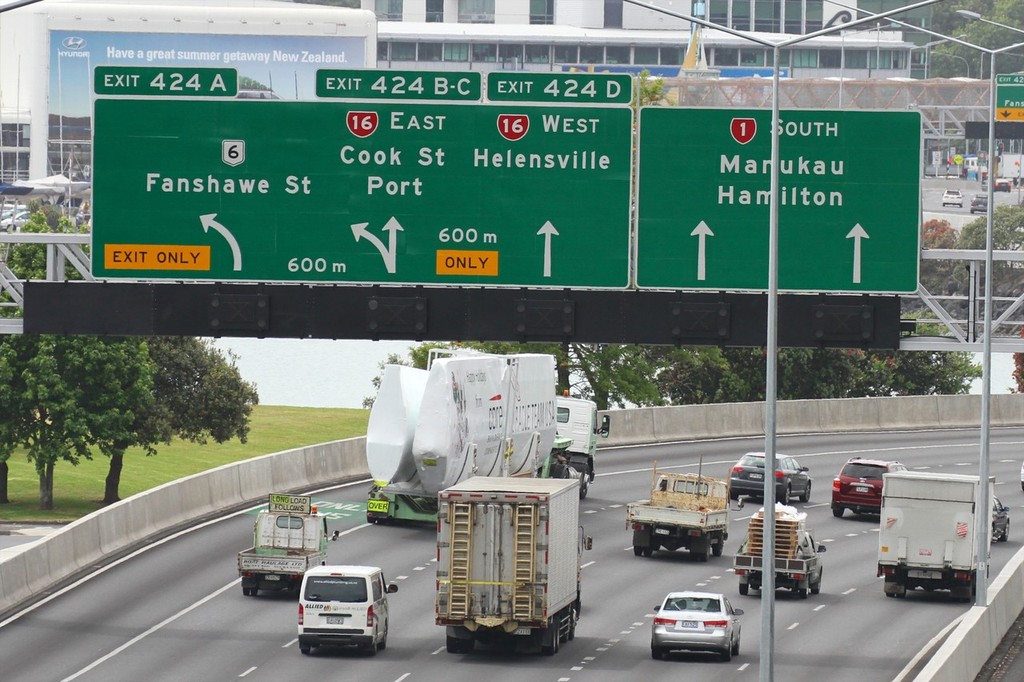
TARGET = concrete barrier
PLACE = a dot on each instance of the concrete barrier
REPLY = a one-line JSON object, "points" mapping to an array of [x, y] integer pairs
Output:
{"points": [[157, 511]]}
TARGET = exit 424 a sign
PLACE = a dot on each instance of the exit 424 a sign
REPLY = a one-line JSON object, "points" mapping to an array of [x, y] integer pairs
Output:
{"points": [[518, 195], [848, 198]]}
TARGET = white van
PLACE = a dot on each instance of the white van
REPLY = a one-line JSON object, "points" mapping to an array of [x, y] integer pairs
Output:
{"points": [[344, 606]]}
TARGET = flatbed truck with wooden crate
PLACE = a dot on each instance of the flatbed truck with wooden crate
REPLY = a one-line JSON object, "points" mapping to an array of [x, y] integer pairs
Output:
{"points": [[797, 561], [684, 511], [508, 562]]}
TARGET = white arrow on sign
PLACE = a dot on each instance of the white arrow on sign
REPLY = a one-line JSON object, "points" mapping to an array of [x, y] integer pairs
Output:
{"points": [[857, 233], [548, 230], [208, 221], [702, 231], [392, 227]]}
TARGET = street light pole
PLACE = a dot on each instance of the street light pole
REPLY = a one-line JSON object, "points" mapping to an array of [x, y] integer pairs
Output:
{"points": [[766, 671]]}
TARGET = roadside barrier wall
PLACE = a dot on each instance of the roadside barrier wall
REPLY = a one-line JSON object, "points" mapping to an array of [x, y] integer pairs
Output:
{"points": [[160, 510]]}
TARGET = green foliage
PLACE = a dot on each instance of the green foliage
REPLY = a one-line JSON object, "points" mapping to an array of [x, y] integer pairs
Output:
{"points": [[946, 21]]}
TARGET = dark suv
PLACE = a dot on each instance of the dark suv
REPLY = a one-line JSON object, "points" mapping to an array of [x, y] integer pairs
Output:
{"points": [[858, 487]]}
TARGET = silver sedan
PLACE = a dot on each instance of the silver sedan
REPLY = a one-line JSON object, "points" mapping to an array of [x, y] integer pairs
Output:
{"points": [[696, 621]]}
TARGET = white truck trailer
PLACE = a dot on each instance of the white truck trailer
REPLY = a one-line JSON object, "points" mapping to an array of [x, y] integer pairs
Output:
{"points": [[927, 533], [289, 538], [508, 562]]}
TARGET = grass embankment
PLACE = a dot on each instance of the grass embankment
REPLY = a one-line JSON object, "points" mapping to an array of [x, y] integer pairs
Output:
{"points": [[78, 490]]}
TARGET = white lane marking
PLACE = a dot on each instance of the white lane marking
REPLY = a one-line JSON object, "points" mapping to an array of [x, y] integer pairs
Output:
{"points": [[590, 511], [794, 626], [147, 633], [743, 667], [576, 668], [589, 563], [247, 671], [399, 679], [418, 568], [435, 652], [927, 649], [849, 591], [285, 646], [819, 607], [401, 577]]}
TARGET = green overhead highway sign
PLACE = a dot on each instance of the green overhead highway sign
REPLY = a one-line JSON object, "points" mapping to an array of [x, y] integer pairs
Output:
{"points": [[1009, 97], [560, 88], [165, 81], [849, 200], [399, 85], [244, 190]]}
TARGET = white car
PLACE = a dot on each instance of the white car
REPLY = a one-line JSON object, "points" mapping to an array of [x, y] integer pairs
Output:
{"points": [[953, 197], [14, 221], [696, 621]]}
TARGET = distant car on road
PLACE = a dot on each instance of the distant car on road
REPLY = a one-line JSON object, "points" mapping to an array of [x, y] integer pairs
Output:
{"points": [[14, 221], [1002, 185], [979, 203], [747, 478], [953, 197], [1000, 521], [858, 486], [696, 621]]}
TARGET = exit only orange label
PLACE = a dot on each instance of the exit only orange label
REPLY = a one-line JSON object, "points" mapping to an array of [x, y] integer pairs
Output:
{"points": [[155, 257], [480, 263]]}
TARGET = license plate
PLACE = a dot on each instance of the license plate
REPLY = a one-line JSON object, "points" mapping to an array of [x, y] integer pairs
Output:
{"points": [[756, 477], [336, 620], [521, 631], [377, 506], [662, 531], [686, 624], [272, 576], [862, 489]]}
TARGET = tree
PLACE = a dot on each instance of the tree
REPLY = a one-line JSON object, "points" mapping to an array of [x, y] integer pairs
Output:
{"points": [[946, 21], [197, 394]]}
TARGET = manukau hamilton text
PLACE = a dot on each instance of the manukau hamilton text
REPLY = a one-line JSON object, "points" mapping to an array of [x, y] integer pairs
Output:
{"points": [[802, 169]]}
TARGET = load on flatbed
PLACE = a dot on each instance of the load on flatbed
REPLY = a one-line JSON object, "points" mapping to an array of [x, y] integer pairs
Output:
{"points": [[684, 511], [797, 561]]}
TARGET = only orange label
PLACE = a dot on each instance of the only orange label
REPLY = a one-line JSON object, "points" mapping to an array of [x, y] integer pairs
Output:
{"points": [[156, 257], [481, 263]]}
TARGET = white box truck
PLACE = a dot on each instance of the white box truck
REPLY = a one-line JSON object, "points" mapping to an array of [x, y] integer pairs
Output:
{"points": [[926, 535], [508, 562]]}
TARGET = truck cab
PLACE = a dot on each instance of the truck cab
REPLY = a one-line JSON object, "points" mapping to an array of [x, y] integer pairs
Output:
{"points": [[577, 420]]}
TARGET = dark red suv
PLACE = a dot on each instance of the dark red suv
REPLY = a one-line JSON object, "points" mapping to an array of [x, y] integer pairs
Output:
{"points": [[858, 487]]}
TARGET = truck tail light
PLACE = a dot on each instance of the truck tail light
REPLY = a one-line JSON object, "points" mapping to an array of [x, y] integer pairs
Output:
{"points": [[369, 616], [741, 571], [798, 576], [962, 575], [637, 526], [716, 623], [664, 621], [886, 570], [301, 614]]}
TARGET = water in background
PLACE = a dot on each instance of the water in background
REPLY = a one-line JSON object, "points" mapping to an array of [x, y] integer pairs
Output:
{"points": [[325, 373]]}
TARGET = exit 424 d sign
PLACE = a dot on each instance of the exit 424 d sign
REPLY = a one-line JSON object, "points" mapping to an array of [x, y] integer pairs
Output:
{"points": [[849, 205]]}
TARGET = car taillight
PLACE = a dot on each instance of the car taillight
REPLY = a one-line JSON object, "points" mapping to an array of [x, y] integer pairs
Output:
{"points": [[836, 484], [715, 623], [737, 470], [369, 617], [778, 474], [300, 614], [664, 621]]}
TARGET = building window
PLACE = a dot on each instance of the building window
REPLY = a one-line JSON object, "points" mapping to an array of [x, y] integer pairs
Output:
{"points": [[719, 12], [880, 59], [538, 54], [591, 54], [671, 55], [435, 11], [382, 50], [612, 13], [542, 11], [751, 57], [856, 59], [645, 55], [485, 52], [741, 15], [510, 54], [456, 52], [813, 16], [403, 52], [766, 15], [566, 54], [830, 59], [727, 56], [616, 54], [389, 10], [793, 19], [476, 12], [429, 52], [805, 58]]}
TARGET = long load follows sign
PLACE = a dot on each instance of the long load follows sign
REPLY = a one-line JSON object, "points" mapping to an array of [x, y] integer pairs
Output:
{"points": [[518, 195]]}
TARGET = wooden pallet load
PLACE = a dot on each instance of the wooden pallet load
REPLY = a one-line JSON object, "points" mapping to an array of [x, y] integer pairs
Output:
{"points": [[787, 532]]}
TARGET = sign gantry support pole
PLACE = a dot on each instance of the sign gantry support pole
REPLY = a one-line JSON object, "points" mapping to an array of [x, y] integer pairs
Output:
{"points": [[766, 671]]}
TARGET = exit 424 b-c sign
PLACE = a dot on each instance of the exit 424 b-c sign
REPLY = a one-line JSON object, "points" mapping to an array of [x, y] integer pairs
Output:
{"points": [[517, 195]]}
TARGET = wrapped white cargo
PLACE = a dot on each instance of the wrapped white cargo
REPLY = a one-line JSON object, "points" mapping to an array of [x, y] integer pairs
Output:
{"points": [[508, 561], [392, 424]]}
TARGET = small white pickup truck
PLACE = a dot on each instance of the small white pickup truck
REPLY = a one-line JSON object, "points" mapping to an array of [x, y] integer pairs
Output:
{"points": [[289, 538], [685, 510]]}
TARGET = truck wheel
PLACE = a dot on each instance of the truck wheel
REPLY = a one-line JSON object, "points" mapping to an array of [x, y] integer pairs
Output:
{"points": [[648, 550], [816, 585], [305, 650], [638, 550], [802, 593], [717, 549], [454, 645], [584, 486], [551, 648], [837, 511], [726, 653], [744, 588], [702, 556]]}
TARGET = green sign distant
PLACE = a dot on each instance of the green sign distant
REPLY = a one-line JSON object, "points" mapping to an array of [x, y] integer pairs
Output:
{"points": [[560, 88], [399, 85], [159, 81], [364, 192], [1009, 97], [849, 200]]}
